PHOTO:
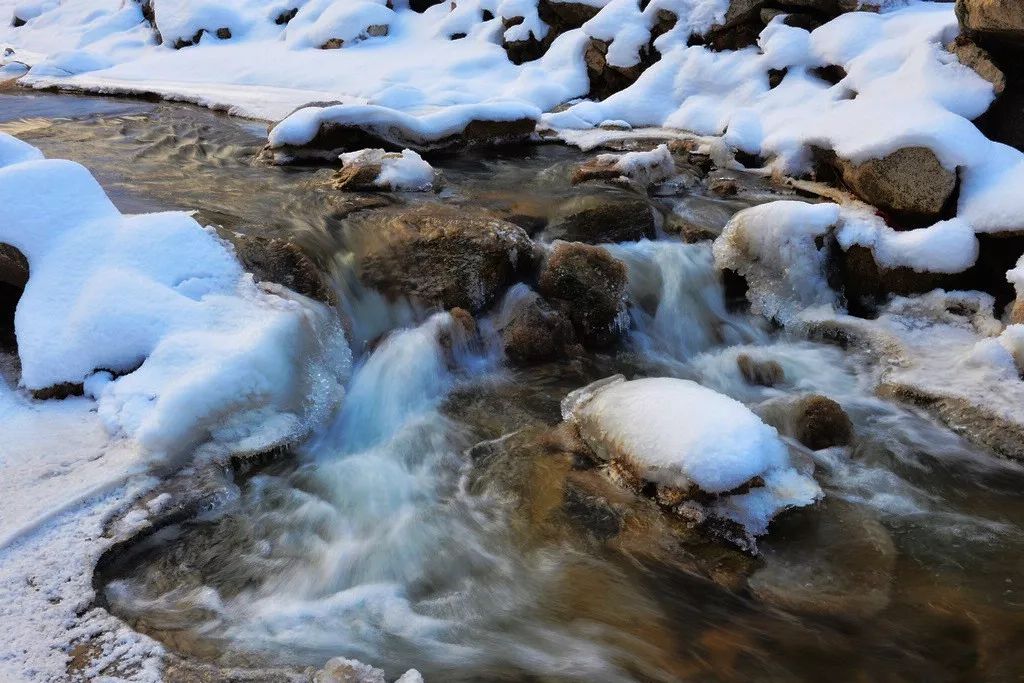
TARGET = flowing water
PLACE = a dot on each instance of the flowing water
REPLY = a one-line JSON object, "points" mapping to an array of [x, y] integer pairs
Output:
{"points": [[415, 530]]}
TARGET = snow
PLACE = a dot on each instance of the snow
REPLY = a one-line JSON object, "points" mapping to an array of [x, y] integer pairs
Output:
{"points": [[678, 433], [901, 87], [646, 168], [202, 351], [944, 247], [301, 127], [179, 352], [322, 20]]}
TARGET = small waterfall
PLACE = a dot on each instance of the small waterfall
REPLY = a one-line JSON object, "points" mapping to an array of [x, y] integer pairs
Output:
{"points": [[677, 301]]}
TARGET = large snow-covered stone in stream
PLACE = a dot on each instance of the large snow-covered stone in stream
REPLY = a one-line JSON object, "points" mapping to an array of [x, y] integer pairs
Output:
{"points": [[155, 317], [676, 433]]}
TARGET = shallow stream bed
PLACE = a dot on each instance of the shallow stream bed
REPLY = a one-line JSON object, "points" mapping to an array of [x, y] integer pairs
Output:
{"points": [[433, 524]]}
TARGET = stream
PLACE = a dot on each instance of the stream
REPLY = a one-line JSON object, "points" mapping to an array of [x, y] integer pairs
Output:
{"points": [[419, 528]]}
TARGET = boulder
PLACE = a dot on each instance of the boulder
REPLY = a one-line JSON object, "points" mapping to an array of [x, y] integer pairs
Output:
{"points": [[377, 170], [603, 219], [588, 284], [819, 422], [271, 259], [536, 332], [996, 22], [909, 184], [453, 257], [13, 277], [342, 670], [665, 435], [765, 373]]}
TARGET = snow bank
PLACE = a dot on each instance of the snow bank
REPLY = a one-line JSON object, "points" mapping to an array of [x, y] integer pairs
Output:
{"points": [[896, 85], [155, 316], [349, 22], [677, 433]]}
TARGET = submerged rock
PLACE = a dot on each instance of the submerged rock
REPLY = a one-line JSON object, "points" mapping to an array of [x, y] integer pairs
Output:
{"points": [[909, 184], [765, 373], [589, 285], [453, 257], [602, 219], [837, 561]]}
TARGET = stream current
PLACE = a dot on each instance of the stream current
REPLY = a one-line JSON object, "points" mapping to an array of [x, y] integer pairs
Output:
{"points": [[388, 538]]}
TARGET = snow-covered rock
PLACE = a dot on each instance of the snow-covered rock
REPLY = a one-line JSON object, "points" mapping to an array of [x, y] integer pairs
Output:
{"points": [[154, 315], [643, 168], [375, 169], [678, 434]]}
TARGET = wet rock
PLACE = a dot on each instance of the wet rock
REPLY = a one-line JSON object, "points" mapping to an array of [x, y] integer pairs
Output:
{"points": [[13, 266], [765, 373], [589, 285], [453, 257], [538, 333], [819, 422], [286, 16], [603, 219], [223, 33], [909, 184], [271, 259], [836, 560]]}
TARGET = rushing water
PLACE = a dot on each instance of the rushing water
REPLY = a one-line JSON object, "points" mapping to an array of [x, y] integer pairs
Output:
{"points": [[382, 540]]}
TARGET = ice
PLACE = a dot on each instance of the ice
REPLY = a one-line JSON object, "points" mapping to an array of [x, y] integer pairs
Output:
{"points": [[774, 247]]}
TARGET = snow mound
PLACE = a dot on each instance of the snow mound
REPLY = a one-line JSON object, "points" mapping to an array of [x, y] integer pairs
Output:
{"points": [[321, 21], [154, 315], [678, 433]]}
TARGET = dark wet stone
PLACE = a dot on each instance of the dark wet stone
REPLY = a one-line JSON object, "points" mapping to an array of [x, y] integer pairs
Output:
{"points": [[765, 373], [588, 284], [819, 422], [271, 259]]}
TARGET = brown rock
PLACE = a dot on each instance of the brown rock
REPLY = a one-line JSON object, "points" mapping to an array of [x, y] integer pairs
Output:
{"points": [[765, 373], [909, 184], [537, 333], [13, 278], [980, 60], [1000, 21], [271, 259], [605, 79], [602, 219], [453, 257], [819, 422], [357, 176], [589, 285], [333, 44]]}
